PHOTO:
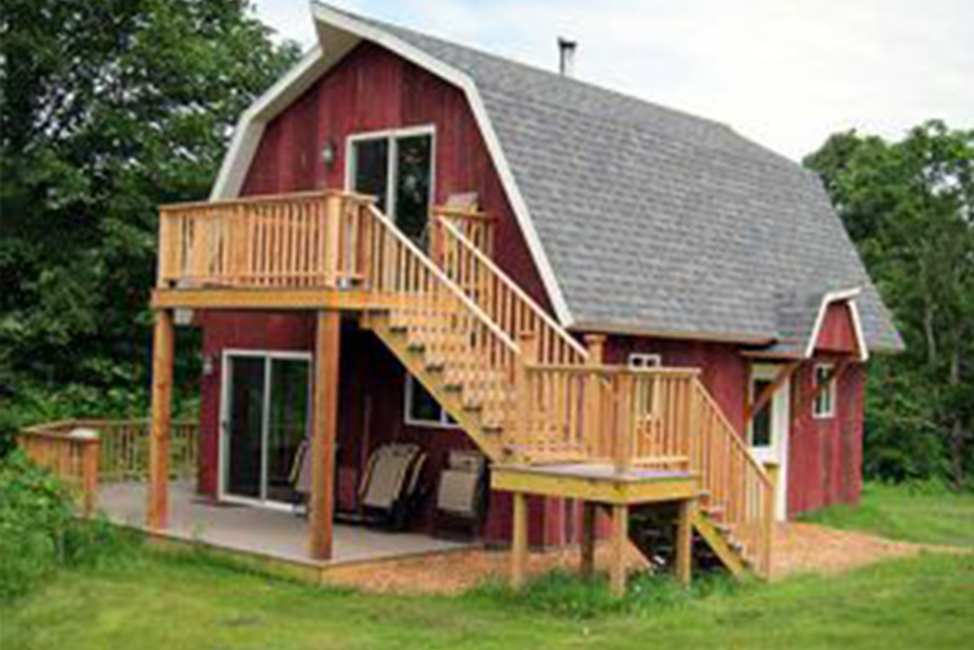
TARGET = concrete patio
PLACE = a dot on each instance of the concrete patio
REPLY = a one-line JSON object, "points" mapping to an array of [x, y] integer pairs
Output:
{"points": [[274, 534]]}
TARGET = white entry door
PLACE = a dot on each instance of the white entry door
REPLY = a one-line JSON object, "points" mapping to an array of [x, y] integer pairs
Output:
{"points": [[769, 430]]}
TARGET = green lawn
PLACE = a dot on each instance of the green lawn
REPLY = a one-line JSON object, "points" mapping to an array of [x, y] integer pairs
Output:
{"points": [[151, 601], [155, 601], [932, 517]]}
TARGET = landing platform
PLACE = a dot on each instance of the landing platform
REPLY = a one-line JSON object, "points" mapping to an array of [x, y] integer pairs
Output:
{"points": [[598, 482]]}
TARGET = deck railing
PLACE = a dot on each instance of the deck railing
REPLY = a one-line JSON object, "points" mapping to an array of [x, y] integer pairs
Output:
{"points": [[88, 452], [663, 418], [477, 227], [312, 239]]}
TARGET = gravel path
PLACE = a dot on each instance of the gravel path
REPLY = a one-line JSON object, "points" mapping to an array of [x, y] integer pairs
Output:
{"points": [[799, 548]]}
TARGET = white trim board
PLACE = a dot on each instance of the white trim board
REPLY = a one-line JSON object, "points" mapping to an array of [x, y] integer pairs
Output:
{"points": [[848, 296], [337, 34]]}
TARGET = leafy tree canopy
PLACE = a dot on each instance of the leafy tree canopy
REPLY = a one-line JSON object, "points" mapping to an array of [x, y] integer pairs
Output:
{"points": [[909, 207], [107, 109]]}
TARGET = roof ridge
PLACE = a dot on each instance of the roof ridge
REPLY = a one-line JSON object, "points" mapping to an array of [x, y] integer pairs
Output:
{"points": [[554, 76]]}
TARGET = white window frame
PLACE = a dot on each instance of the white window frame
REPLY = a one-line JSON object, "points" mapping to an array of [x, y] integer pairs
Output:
{"points": [[444, 421], [638, 360], [827, 395], [392, 136]]}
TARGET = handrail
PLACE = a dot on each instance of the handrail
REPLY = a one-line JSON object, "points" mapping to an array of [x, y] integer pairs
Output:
{"points": [[423, 259], [264, 198], [508, 310]]}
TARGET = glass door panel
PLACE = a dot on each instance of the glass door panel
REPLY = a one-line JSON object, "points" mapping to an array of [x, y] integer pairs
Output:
{"points": [[245, 428], [370, 165], [412, 192], [287, 424]]}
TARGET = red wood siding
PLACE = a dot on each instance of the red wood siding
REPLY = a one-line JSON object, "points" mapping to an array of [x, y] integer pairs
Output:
{"points": [[837, 333], [241, 330], [724, 371], [373, 90], [825, 455]]}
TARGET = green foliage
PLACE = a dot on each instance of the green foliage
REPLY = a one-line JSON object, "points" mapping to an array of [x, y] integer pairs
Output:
{"points": [[107, 109], [566, 594], [39, 531], [909, 207]]}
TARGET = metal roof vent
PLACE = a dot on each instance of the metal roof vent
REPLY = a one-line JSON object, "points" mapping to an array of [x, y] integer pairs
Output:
{"points": [[566, 56]]}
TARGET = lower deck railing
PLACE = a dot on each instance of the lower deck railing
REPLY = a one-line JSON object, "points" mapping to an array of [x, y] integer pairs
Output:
{"points": [[88, 452], [660, 418]]}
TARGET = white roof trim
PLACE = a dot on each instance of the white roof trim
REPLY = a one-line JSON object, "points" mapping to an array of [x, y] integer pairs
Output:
{"points": [[250, 127], [848, 296]]}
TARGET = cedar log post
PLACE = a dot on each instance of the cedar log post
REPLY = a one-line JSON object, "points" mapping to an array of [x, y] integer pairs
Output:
{"points": [[684, 542], [324, 429], [519, 541], [157, 505], [589, 513], [770, 513], [617, 565]]}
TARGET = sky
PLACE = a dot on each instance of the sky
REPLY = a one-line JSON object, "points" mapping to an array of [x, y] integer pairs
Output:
{"points": [[786, 73]]}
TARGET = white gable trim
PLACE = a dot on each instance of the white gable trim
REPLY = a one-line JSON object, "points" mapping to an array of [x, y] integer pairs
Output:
{"points": [[243, 146], [848, 296]]}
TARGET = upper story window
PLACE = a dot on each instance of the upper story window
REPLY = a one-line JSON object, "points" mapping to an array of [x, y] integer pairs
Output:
{"points": [[422, 409], [824, 404], [396, 167]]}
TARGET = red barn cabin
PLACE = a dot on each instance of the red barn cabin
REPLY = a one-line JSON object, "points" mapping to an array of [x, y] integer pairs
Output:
{"points": [[431, 279]]}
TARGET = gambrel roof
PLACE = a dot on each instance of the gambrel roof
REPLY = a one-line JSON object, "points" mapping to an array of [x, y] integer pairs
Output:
{"points": [[640, 218]]}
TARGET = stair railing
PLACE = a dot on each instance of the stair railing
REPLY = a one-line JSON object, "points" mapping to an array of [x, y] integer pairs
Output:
{"points": [[502, 300], [451, 327], [737, 486]]}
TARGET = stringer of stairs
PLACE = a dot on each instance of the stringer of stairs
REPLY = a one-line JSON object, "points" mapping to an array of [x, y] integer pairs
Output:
{"points": [[456, 324]]}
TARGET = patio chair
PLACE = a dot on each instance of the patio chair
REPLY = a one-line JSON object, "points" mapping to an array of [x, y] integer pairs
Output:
{"points": [[461, 498], [389, 490]]}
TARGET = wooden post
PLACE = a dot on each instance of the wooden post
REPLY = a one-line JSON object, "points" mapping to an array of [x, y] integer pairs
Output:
{"points": [[593, 404], [529, 355], [157, 506], [89, 481], [589, 513], [623, 420], [333, 230], [617, 565], [684, 542], [519, 541], [324, 429], [770, 510]]}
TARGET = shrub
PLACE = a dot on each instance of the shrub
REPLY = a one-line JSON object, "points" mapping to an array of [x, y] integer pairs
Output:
{"points": [[39, 531]]}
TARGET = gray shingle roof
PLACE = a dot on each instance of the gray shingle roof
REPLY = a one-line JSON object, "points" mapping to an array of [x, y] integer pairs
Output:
{"points": [[655, 220]]}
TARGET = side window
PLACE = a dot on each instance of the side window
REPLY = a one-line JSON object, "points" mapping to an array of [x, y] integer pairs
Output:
{"points": [[422, 409], [824, 404]]}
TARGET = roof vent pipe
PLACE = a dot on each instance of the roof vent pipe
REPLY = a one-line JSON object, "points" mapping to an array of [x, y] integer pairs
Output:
{"points": [[566, 57]]}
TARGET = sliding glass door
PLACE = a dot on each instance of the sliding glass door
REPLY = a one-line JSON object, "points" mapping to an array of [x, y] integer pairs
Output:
{"points": [[266, 414], [396, 167]]}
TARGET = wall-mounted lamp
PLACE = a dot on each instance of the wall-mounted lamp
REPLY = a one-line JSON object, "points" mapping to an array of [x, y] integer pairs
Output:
{"points": [[208, 365], [329, 154]]}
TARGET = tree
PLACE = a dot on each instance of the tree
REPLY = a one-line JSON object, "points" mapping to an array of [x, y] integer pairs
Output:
{"points": [[107, 109], [909, 206]]}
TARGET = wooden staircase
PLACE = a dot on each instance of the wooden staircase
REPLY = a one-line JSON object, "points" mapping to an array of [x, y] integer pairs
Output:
{"points": [[527, 392], [521, 386]]}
